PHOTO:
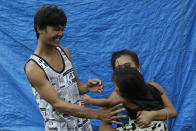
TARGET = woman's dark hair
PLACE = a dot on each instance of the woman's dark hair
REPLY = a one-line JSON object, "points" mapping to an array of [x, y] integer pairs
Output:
{"points": [[130, 82], [50, 15], [118, 54]]}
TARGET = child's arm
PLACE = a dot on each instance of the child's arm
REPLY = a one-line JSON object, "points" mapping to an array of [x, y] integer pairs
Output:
{"points": [[87, 100], [104, 126]]}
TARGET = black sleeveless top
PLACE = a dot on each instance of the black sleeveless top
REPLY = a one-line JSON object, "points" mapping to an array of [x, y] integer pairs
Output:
{"points": [[150, 101]]}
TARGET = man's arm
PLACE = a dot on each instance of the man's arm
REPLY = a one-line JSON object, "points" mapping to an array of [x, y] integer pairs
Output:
{"points": [[104, 126], [93, 85], [39, 81]]}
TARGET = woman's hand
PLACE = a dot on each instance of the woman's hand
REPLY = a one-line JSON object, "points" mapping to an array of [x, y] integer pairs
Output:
{"points": [[144, 118]]}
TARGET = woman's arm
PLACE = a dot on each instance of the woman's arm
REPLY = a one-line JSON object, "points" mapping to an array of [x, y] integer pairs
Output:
{"points": [[168, 112], [168, 106]]}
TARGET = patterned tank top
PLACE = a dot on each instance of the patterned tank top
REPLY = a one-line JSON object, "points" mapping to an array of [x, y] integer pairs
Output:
{"points": [[65, 84]]}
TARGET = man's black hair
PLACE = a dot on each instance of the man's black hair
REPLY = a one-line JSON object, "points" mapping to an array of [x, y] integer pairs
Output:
{"points": [[118, 54], [130, 82], [50, 15]]}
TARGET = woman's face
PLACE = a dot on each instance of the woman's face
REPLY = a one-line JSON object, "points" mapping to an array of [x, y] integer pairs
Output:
{"points": [[125, 60]]}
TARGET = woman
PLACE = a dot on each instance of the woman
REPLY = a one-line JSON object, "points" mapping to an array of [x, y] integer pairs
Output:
{"points": [[125, 58]]}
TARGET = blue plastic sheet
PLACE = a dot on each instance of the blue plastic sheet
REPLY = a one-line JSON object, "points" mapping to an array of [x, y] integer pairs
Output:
{"points": [[162, 32]]}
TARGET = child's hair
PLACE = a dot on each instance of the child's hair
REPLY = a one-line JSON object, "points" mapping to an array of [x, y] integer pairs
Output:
{"points": [[130, 82], [120, 53], [50, 15]]}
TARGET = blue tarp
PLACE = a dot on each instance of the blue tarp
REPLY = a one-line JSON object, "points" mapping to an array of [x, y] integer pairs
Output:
{"points": [[162, 32]]}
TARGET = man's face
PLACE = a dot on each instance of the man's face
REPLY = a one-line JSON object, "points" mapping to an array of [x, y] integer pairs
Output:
{"points": [[52, 35]]}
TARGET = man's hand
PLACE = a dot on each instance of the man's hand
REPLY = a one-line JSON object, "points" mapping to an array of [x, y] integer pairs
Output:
{"points": [[85, 100], [95, 85], [109, 115], [144, 118]]}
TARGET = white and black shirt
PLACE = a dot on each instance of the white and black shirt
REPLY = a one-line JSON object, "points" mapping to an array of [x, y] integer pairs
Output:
{"points": [[65, 84]]}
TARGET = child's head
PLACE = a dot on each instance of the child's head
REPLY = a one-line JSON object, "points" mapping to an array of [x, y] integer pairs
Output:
{"points": [[129, 83], [49, 15], [125, 57]]}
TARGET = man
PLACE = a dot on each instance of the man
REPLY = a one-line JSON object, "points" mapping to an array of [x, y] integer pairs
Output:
{"points": [[55, 84]]}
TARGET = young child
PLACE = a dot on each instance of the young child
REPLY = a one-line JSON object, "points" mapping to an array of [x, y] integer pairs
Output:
{"points": [[136, 95]]}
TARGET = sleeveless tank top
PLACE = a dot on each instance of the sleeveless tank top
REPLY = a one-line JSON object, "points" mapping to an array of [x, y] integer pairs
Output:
{"points": [[150, 101], [65, 84]]}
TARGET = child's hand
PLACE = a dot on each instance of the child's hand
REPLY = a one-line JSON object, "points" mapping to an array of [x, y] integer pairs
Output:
{"points": [[85, 100]]}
